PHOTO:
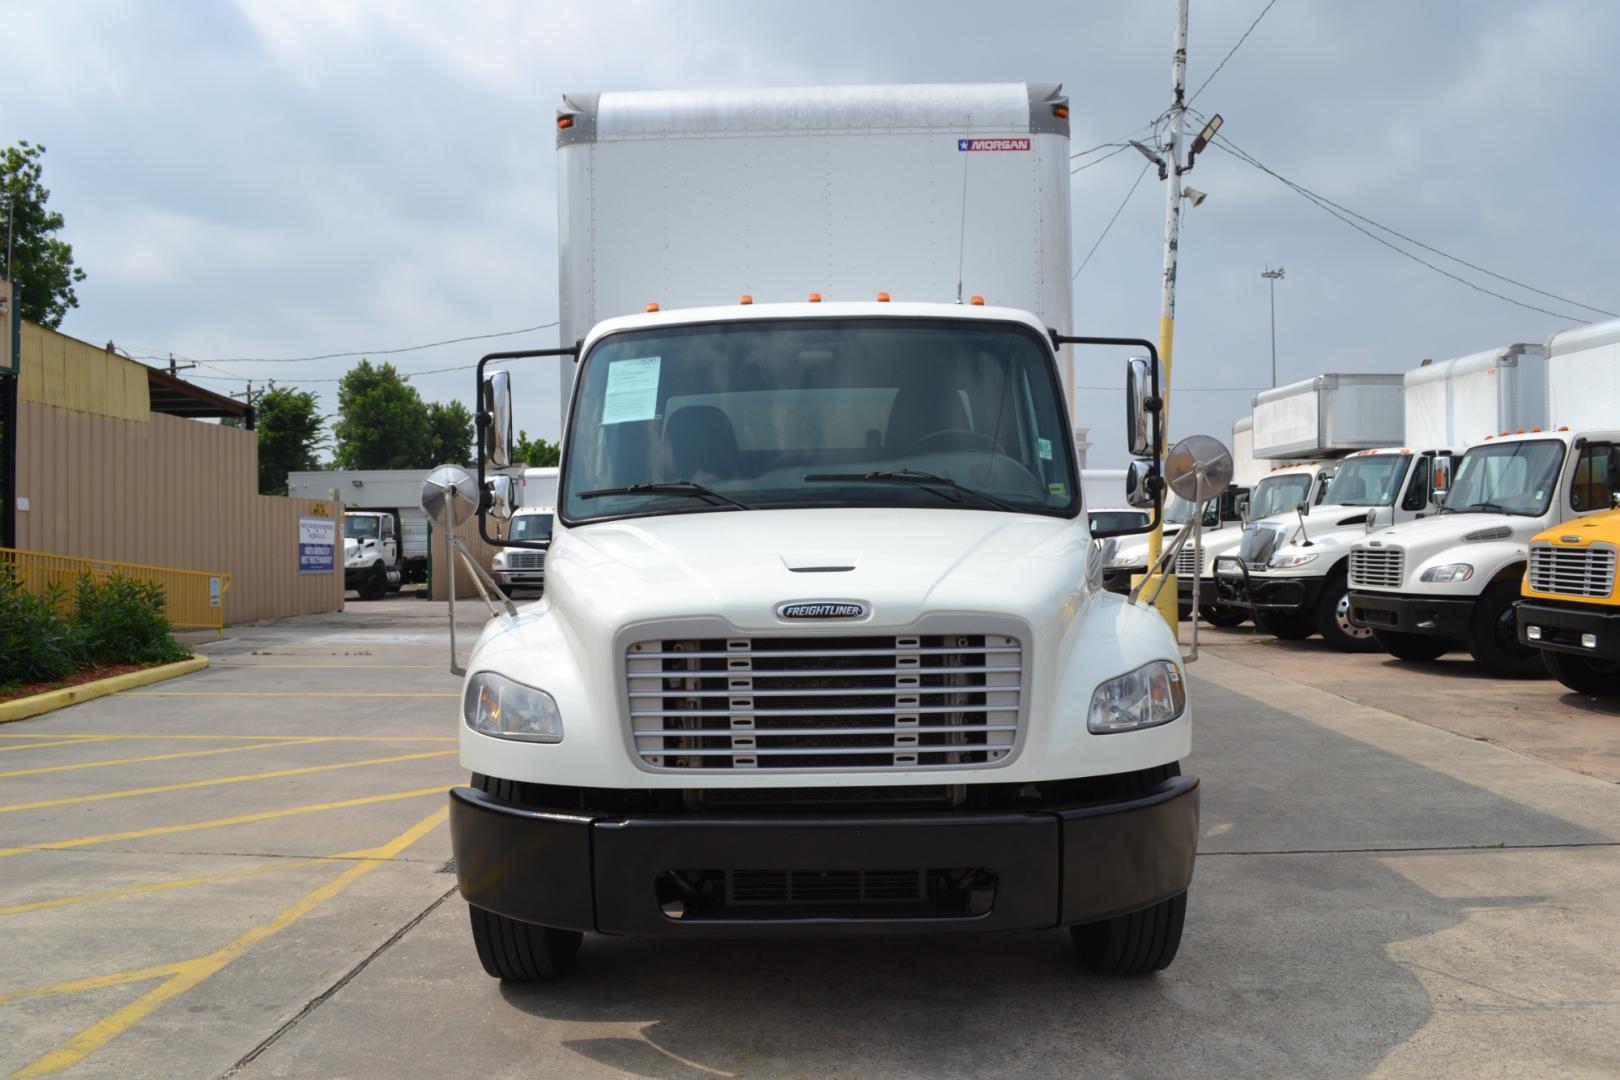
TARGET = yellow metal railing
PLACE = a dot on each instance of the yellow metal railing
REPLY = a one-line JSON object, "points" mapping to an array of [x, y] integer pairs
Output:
{"points": [[192, 598]]}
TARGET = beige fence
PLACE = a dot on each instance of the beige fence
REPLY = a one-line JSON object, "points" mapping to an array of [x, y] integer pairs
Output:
{"points": [[166, 491], [191, 598]]}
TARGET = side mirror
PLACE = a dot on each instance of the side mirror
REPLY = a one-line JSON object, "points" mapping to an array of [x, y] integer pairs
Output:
{"points": [[499, 493], [1302, 509], [1439, 478], [497, 412], [1141, 484], [1140, 406]]}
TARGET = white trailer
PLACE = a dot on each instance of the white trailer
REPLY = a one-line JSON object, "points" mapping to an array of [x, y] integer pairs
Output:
{"points": [[1328, 415], [394, 491], [1247, 470], [1583, 376], [920, 193], [1456, 403]]}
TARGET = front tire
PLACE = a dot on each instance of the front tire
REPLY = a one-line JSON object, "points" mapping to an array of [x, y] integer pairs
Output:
{"points": [[1592, 678], [522, 952], [375, 584], [1333, 618], [1493, 636], [1224, 617], [1285, 625], [1415, 648], [1136, 944]]}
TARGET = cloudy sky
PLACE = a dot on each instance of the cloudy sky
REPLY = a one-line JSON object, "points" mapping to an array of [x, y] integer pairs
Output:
{"points": [[282, 179]]}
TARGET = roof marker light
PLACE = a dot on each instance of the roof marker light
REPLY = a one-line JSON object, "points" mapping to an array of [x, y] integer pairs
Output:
{"points": [[565, 122], [1060, 111], [1535, 429], [883, 298], [1519, 432], [746, 299], [651, 308], [977, 301], [1563, 427], [815, 298]]}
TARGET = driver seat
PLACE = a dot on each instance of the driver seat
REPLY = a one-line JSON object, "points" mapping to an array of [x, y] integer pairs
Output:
{"points": [[921, 410]]}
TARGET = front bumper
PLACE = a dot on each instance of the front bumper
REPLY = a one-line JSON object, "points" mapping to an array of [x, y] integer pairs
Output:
{"points": [[1413, 614], [1561, 627], [977, 870], [1117, 579], [353, 576], [531, 579], [1238, 586]]}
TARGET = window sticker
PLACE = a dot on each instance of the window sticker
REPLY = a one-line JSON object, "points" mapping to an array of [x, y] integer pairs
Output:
{"points": [[1043, 447], [632, 390], [1058, 489]]}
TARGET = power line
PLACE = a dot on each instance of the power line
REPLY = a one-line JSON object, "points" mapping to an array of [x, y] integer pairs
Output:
{"points": [[1191, 389], [1099, 161], [1110, 225], [364, 352], [1346, 215], [1234, 49], [1115, 142]]}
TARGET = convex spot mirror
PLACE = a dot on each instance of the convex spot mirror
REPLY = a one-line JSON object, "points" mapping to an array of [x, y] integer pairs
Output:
{"points": [[497, 409], [449, 496], [1138, 415], [1198, 468], [1139, 484], [500, 492]]}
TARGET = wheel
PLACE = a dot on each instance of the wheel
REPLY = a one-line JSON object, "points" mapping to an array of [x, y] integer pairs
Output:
{"points": [[522, 952], [1285, 624], [1493, 636], [375, 583], [1136, 944], [1415, 647], [1225, 617], [1333, 617], [1597, 678]]}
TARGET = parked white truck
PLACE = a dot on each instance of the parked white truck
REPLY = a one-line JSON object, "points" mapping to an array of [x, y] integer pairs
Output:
{"points": [[385, 533], [1452, 580], [823, 647], [524, 567]]}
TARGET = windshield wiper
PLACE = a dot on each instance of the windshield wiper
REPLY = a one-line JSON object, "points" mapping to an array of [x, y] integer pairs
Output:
{"points": [[1486, 507], [670, 487], [926, 481]]}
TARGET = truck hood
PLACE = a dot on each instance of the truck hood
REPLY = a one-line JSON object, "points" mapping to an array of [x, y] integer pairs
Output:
{"points": [[1330, 528], [1429, 535], [742, 565]]}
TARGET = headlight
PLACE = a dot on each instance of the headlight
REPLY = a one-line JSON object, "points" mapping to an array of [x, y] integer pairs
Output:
{"points": [[1280, 561], [497, 706], [500, 559], [1152, 694], [1127, 558], [1457, 571]]}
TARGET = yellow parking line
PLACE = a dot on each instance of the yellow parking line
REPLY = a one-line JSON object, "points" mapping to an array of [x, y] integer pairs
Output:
{"points": [[239, 819], [149, 757], [297, 693], [244, 778], [94, 982], [153, 887], [55, 742], [248, 738], [330, 667], [191, 973]]}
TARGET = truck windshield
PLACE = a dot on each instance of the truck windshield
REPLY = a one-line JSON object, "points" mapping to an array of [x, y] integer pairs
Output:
{"points": [[361, 526], [1507, 478], [1180, 511], [747, 411], [1279, 495], [1368, 481], [530, 527]]}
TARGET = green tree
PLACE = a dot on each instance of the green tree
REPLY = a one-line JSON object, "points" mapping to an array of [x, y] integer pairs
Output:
{"points": [[291, 431], [42, 264], [452, 433], [382, 421], [537, 452]]}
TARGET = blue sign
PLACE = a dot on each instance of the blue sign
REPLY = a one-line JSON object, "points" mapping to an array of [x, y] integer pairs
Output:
{"points": [[317, 545]]}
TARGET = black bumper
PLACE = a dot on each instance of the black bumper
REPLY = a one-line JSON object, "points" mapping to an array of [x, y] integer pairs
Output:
{"points": [[1562, 625], [1438, 616], [997, 870], [1237, 586], [353, 577], [1118, 579]]}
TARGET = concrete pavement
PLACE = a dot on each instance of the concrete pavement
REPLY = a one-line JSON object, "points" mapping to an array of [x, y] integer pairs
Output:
{"points": [[1374, 896]]}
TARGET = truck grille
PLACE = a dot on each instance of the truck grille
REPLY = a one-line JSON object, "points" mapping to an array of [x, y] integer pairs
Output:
{"points": [[1185, 564], [1376, 568], [1258, 545], [926, 701], [1585, 571], [525, 560]]}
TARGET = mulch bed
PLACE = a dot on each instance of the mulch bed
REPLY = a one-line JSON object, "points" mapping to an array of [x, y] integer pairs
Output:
{"points": [[78, 678]]}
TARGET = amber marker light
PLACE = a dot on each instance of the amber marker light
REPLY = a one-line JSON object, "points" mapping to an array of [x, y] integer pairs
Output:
{"points": [[746, 299], [976, 301], [815, 298], [883, 298], [651, 308]]}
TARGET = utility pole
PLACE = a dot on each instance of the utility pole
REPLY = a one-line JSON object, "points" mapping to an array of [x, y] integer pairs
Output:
{"points": [[1273, 276]]}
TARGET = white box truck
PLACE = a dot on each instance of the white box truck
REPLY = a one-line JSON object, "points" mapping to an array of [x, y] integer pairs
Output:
{"points": [[823, 648], [1458, 402], [1328, 415], [385, 532], [1247, 469]]}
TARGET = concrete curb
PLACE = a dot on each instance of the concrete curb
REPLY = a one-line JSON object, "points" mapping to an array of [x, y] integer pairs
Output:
{"points": [[35, 704]]}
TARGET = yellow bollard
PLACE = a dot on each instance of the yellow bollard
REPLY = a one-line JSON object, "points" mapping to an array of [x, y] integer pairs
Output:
{"points": [[1168, 603]]}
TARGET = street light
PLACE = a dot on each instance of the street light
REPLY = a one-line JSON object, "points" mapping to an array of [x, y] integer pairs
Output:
{"points": [[1273, 276]]}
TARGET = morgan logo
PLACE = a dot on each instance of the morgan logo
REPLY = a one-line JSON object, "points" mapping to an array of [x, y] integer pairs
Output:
{"points": [[992, 144], [822, 609]]}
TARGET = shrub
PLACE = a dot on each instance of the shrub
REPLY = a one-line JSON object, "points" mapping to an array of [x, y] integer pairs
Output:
{"points": [[36, 643], [121, 621]]}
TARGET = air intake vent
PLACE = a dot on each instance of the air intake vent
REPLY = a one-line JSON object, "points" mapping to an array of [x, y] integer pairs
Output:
{"points": [[1479, 536]]}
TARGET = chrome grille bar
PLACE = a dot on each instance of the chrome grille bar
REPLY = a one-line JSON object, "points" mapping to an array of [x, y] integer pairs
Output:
{"points": [[1378, 568], [1578, 571]]}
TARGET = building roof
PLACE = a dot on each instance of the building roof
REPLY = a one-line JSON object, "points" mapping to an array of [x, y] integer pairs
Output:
{"points": [[176, 397]]}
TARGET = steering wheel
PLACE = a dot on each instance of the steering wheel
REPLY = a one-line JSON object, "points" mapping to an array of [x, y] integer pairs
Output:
{"points": [[960, 435]]}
